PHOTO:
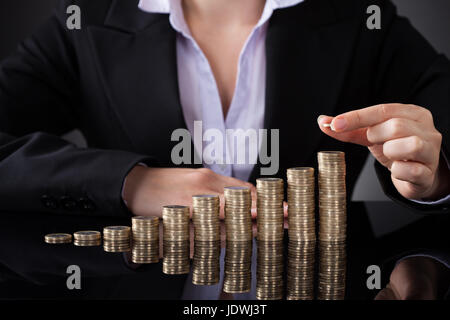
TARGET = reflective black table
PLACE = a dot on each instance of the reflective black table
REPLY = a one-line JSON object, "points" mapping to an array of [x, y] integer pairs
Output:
{"points": [[32, 269]]}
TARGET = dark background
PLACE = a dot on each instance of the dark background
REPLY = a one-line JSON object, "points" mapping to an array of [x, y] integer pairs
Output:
{"points": [[18, 19]]}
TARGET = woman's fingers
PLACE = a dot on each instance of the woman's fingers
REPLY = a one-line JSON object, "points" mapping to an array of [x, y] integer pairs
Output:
{"points": [[410, 149], [392, 129], [412, 172]]}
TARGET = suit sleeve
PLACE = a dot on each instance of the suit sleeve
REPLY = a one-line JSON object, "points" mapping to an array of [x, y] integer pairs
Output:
{"points": [[39, 171], [411, 71]]}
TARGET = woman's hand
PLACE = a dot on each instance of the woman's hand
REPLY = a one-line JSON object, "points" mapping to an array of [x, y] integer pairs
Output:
{"points": [[403, 139], [417, 278], [147, 190]]}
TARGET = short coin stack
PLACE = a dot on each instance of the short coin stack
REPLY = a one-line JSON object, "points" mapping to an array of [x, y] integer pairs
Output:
{"points": [[58, 238], [269, 277], [205, 216], [302, 233], [176, 239], [238, 223], [332, 225], [117, 239], [87, 238], [145, 247]]}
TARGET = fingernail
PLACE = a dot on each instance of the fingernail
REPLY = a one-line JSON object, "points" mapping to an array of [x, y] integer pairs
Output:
{"points": [[338, 124], [319, 117]]}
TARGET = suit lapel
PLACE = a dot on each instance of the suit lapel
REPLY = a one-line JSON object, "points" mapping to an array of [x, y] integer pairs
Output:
{"points": [[306, 63], [136, 57]]}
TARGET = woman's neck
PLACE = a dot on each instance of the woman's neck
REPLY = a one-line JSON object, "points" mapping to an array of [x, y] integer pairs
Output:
{"points": [[224, 12]]}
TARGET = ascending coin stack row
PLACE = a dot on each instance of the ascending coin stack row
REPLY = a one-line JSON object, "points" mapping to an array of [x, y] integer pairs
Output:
{"points": [[176, 242], [302, 233], [332, 225], [205, 216], [238, 223], [117, 239], [269, 277], [145, 248]]}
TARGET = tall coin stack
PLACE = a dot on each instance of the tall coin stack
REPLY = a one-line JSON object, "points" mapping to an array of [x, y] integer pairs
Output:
{"points": [[176, 239], [87, 238], [145, 246], [205, 215], [332, 225], [269, 272], [116, 239], [302, 234], [238, 223]]}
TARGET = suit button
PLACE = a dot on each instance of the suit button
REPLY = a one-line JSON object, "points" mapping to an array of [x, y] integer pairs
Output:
{"points": [[86, 204], [68, 203], [49, 202]]}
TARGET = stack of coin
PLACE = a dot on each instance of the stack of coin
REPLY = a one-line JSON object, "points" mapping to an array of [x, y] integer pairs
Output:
{"points": [[270, 196], [269, 277], [301, 210], [332, 225], [87, 238], [302, 234], [238, 223], [300, 270], [238, 217], [205, 216], [145, 246], [117, 239], [176, 239], [58, 238]]}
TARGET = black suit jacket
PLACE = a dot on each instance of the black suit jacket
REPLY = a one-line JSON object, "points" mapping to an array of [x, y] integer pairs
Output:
{"points": [[116, 80]]}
